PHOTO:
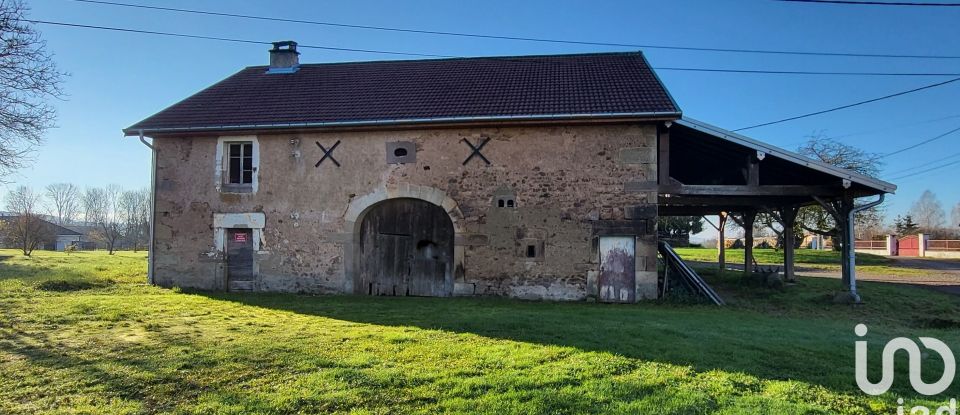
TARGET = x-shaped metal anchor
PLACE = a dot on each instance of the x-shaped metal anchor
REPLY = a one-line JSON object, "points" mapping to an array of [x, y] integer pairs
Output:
{"points": [[476, 150], [327, 154]]}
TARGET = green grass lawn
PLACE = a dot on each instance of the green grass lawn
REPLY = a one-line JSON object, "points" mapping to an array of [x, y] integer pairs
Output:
{"points": [[771, 256], [807, 258], [84, 334]]}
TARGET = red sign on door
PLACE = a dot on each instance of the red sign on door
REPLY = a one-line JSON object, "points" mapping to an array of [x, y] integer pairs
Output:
{"points": [[240, 237]]}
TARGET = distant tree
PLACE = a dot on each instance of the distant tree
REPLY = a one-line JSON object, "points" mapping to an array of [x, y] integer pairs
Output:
{"points": [[816, 219], [89, 204], [25, 229], [134, 206], [928, 212], [772, 223], [679, 227], [952, 230], [869, 224], [905, 225], [28, 79], [64, 200], [105, 214], [955, 216]]}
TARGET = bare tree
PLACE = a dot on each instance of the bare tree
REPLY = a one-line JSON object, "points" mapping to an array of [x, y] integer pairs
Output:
{"points": [[28, 78], [134, 207], [25, 228], [955, 216], [89, 204], [104, 205], [816, 219], [928, 212], [64, 199]]}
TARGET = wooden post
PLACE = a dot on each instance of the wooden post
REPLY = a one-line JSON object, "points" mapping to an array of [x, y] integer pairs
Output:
{"points": [[749, 217], [846, 238], [788, 217], [663, 156], [722, 242]]}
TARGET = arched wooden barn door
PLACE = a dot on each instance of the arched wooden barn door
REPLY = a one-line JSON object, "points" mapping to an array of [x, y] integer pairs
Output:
{"points": [[406, 248]]}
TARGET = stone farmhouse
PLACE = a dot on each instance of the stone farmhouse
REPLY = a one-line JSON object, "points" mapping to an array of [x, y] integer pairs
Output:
{"points": [[537, 177]]}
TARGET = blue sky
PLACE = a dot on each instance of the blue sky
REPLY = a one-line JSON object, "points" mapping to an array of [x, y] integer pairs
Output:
{"points": [[119, 78]]}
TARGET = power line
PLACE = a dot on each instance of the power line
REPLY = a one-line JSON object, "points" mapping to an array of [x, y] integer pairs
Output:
{"points": [[875, 3], [518, 38], [929, 140], [225, 39], [893, 127], [925, 171], [430, 55], [887, 128], [925, 164], [849, 105], [775, 72]]}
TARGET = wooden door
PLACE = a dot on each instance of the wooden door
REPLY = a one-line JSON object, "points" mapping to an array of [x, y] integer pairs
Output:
{"points": [[908, 246], [618, 279], [406, 248], [618, 269], [240, 275]]}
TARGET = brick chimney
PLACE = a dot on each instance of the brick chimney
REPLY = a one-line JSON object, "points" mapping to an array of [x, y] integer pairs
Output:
{"points": [[284, 57]]}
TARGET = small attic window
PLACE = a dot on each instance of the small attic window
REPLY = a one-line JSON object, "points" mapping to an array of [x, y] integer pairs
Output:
{"points": [[401, 152], [506, 201]]}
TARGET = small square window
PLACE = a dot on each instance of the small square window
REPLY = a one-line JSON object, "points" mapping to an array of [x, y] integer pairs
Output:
{"points": [[531, 249]]}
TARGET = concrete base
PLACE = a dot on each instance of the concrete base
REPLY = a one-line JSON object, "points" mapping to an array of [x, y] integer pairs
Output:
{"points": [[846, 297]]}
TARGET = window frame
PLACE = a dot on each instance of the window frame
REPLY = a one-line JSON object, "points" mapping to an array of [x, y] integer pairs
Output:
{"points": [[225, 169]]}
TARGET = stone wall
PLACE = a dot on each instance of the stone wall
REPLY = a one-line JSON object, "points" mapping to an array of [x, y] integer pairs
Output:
{"points": [[567, 184]]}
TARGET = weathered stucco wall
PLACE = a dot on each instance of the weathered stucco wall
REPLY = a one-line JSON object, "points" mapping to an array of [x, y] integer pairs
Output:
{"points": [[568, 184]]}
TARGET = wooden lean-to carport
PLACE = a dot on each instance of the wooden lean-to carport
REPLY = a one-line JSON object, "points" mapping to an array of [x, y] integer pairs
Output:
{"points": [[706, 170]]}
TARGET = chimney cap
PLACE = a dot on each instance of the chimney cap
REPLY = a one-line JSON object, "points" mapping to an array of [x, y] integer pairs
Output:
{"points": [[285, 45]]}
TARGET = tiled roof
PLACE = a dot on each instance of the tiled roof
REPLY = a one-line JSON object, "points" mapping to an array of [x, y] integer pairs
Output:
{"points": [[440, 90]]}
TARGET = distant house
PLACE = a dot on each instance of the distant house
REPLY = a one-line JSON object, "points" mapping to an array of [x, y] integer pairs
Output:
{"points": [[88, 239], [58, 237]]}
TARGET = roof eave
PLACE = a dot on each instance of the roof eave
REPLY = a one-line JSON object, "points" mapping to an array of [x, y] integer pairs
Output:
{"points": [[670, 115], [775, 151]]}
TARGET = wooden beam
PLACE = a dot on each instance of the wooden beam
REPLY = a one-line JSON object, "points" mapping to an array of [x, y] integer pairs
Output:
{"points": [[663, 155], [739, 190], [725, 203], [753, 171]]}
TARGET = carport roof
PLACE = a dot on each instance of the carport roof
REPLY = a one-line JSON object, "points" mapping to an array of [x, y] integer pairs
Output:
{"points": [[705, 169], [844, 174]]}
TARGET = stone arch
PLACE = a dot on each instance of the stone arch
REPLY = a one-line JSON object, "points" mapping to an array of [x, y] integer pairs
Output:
{"points": [[361, 205]]}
